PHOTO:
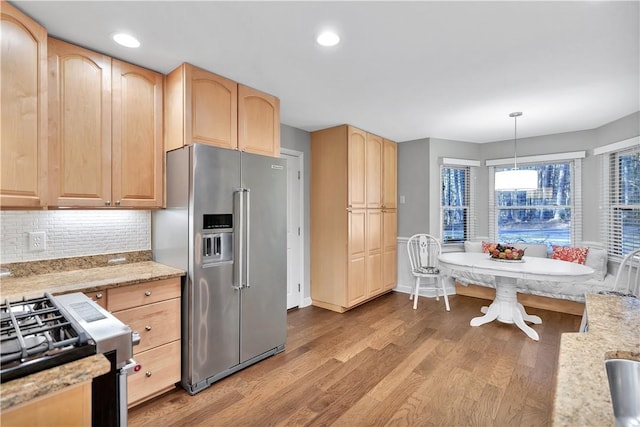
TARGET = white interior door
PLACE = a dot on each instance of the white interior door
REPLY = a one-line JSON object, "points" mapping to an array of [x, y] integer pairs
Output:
{"points": [[294, 227]]}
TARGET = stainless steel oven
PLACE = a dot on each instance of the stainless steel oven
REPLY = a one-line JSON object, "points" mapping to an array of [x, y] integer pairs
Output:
{"points": [[41, 333]]}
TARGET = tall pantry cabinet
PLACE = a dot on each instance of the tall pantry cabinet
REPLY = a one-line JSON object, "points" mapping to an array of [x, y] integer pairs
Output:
{"points": [[353, 217]]}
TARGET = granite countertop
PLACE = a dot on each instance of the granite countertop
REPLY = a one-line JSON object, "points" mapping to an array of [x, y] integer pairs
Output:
{"points": [[85, 280], [42, 383], [582, 390], [61, 276]]}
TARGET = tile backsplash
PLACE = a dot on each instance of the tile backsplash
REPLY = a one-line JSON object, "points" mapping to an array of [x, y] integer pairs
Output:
{"points": [[72, 233]]}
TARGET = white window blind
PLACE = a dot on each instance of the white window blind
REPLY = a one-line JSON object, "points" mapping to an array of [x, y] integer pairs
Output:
{"points": [[551, 214], [620, 200], [457, 203]]}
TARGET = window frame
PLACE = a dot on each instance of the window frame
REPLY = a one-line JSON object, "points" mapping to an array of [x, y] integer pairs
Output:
{"points": [[469, 168], [575, 161], [612, 206]]}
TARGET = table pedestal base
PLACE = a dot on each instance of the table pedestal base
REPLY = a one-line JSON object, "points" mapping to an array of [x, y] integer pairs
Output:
{"points": [[505, 308]]}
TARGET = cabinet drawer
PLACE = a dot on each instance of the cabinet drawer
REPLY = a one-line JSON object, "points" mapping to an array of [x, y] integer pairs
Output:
{"points": [[100, 297], [160, 370], [143, 293], [157, 323]]}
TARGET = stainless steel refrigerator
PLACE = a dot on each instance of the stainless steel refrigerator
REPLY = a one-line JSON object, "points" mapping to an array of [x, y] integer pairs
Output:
{"points": [[225, 224]]}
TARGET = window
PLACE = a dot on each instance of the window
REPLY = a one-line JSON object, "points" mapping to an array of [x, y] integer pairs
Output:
{"points": [[622, 200], [551, 214], [456, 217]]}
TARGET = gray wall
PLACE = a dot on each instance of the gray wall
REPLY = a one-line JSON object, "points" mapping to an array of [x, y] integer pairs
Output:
{"points": [[418, 161], [299, 140], [413, 185]]}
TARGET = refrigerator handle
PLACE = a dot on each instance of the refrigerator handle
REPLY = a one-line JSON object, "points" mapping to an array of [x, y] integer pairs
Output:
{"points": [[248, 238], [238, 257]]}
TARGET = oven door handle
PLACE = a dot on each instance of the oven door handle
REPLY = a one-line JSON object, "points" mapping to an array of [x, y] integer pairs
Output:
{"points": [[131, 367]]}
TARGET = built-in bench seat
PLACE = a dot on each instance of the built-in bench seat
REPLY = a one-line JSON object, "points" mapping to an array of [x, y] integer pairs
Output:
{"points": [[557, 296]]}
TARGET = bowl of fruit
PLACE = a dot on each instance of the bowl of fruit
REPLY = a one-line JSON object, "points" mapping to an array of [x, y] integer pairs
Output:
{"points": [[506, 253]]}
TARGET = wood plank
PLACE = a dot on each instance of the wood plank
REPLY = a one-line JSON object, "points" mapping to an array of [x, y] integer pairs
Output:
{"points": [[397, 366]]}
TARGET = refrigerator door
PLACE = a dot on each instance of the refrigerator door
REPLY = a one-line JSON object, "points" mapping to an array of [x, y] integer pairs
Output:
{"points": [[263, 324], [214, 312]]}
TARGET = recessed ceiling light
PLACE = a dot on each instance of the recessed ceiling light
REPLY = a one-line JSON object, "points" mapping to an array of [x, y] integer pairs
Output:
{"points": [[328, 38], [126, 40]]}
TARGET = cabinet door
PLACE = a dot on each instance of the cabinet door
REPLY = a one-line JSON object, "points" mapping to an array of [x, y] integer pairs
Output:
{"points": [[70, 406], [137, 149], [374, 252], [23, 111], [389, 174], [79, 126], [160, 371], [390, 249], [258, 122], [356, 287], [211, 108], [373, 171], [356, 149]]}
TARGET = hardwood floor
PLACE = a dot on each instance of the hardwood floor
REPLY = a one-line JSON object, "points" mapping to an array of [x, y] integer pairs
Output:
{"points": [[385, 364]]}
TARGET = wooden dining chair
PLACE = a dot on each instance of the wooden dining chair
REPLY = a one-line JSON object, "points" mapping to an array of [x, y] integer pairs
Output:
{"points": [[628, 276], [627, 282], [424, 250]]}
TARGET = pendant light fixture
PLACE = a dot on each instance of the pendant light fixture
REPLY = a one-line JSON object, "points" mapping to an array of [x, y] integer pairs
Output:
{"points": [[516, 179]]}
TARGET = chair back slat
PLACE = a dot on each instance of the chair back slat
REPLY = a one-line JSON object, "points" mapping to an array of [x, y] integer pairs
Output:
{"points": [[628, 276], [423, 250]]}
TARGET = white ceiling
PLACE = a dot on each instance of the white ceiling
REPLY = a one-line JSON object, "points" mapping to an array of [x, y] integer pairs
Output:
{"points": [[404, 70]]}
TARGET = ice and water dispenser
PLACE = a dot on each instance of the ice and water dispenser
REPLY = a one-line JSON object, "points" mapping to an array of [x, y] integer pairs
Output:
{"points": [[217, 238]]}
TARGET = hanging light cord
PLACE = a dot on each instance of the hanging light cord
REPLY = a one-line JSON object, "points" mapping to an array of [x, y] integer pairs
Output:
{"points": [[515, 142], [515, 138]]}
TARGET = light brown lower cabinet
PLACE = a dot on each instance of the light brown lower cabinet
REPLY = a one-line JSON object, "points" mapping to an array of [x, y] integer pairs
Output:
{"points": [[159, 373], [153, 310], [68, 407]]}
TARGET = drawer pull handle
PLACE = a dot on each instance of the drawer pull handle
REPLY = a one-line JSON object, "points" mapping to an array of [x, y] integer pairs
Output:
{"points": [[148, 293], [98, 295], [147, 328], [148, 374]]}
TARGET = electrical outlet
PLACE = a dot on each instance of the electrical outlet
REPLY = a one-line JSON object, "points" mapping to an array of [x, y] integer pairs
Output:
{"points": [[37, 241]]}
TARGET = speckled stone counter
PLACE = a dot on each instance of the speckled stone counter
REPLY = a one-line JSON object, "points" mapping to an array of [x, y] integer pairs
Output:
{"points": [[42, 383], [85, 280], [582, 395]]}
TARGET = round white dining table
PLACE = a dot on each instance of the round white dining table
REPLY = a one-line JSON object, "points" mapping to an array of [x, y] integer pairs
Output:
{"points": [[505, 307]]}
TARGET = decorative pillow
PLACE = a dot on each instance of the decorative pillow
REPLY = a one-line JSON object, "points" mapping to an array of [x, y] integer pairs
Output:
{"points": [[486, 245], [570, 254], [597, 259], [472, 246]]}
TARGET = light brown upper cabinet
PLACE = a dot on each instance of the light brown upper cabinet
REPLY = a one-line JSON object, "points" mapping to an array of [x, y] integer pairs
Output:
{"points": [[357, 176], [23, 111], [374, 171], [137, 145], [200, 107], [209, 109], [390, 175], [105, 131], [258, 122]]}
